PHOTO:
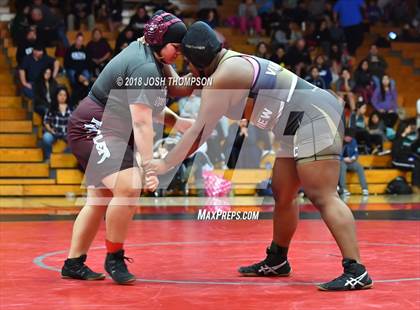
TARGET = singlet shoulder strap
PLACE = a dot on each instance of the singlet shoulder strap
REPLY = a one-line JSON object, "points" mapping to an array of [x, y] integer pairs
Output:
{"points": [[255, 64]]}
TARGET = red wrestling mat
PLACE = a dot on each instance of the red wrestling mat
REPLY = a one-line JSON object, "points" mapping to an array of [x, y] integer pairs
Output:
{"points": [[192, 265]]}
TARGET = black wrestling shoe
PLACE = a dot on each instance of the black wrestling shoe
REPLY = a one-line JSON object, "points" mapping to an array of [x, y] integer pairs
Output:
{"points": [[274, 265], [75, 268], [117, 269], [355, 277]]}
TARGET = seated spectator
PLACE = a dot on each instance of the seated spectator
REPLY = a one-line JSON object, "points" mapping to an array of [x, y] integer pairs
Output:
{"points": [[377, 64], [316, 9], [314, 78], [242, 144], [344, 88], [322, 36], [81, 10], [297, 57], [49, 27], [81, 88], [358, 123], [349, 161], [55, 120], [324, 70], [373, 12], [279, 56], [384, 100], [377, 131], [20, 23], [364, 81], [77, 59], [44, 91], [205, 7], [124, 39], [32, 67], [409, 33], [138, 21], [406, 151], [26, 45], [262, 50], [211, 19], [115, 8], [99, 51], [249, 21], [295, 33]]}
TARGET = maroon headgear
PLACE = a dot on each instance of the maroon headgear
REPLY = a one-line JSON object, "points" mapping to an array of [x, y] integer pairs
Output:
{"points": [[161, 30]]}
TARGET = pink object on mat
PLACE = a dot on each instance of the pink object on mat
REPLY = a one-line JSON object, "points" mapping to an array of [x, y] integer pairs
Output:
{"points": [[216, 186]]}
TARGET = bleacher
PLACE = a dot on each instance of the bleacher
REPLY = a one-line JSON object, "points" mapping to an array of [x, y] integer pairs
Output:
{"points": [[23, 172]]}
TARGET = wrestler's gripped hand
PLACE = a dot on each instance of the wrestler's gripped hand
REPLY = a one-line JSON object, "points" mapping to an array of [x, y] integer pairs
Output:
{"points": [[158, 166], [151, 182], [150, 179]]}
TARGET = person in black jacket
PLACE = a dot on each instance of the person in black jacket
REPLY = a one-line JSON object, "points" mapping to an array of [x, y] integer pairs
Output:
{"points": [[44, 90], [138, 21], [406, 150], [77, 60], [124, 39], [26, 45]]}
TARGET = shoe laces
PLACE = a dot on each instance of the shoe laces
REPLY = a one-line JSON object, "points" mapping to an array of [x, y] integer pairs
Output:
{"points": [[120, 262]]}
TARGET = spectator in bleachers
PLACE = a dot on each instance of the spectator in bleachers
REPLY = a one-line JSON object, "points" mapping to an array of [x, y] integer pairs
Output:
{"points": [[349, 161], [99, 50], [279, 56], [316, 9], [377, 129], [358, 123], [55, 120], [336, 32], [139, 20], [299, 14], [124, 38], [295, 33], [77, 59], [249, 21], [265, 7], [373, 12], [20, 23], [115, 8], [344, 87], [26, 45], [207, 11], [32, 66], [324, 70], [322, 36], [44, 90], [406, 150], [385, 101], [57, 8], [409, 33], [297, 56], [314, 77], [242, 144], [277, 21], [364, 81], [211, 19], [377, 64], [81, 11], [49, 27], [262, 50], [349, 15], [80, 89]]}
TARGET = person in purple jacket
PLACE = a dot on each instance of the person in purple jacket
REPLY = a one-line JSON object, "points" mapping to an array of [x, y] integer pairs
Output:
{"points": [[384, 100]]}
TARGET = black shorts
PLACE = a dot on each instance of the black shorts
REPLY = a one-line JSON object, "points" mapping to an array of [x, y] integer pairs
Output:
{"points": [[99, 152]]}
